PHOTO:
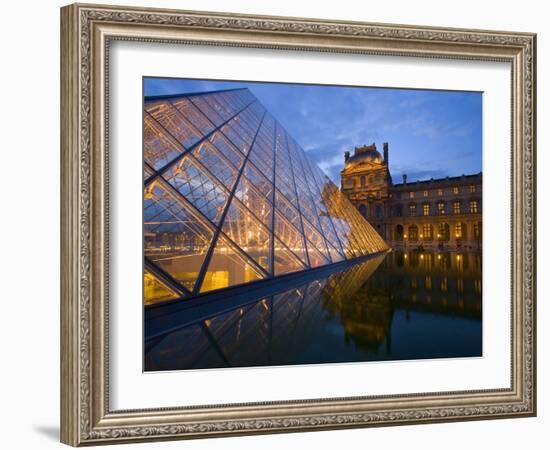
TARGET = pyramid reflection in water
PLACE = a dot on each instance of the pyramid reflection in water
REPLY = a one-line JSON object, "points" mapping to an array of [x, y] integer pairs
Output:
{"points": [[230, 198]]}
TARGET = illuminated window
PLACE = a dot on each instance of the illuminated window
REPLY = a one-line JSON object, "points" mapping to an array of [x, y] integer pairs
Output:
{"points": [[411, 194], [440, 192], [425, 193], [456, 207], [426, 209], [473, 206], [458, 230], [412, 210], [472, 188], [441, 208], [427, 231], [455, 190]]}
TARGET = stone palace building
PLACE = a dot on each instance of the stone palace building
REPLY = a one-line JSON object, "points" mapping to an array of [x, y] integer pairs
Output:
{"points": [[442, 213]]}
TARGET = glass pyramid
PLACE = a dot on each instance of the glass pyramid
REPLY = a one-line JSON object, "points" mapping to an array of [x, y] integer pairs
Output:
{"points": [[231, 198]]}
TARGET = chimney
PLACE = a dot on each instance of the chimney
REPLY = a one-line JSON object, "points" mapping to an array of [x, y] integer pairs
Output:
{"points": [[385, 146], [346, 156], [404, 179]]}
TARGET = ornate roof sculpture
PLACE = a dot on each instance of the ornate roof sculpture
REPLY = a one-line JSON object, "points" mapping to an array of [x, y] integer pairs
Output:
{"points": [[231, 198], [365, 155]]}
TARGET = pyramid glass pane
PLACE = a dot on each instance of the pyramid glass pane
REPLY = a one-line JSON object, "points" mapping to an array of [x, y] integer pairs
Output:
{"points": [[286, 261], [253, 199], [176, 237], [193, 115], [211, 158], [229, 267], [174, 122], [198, 186], [159, 147], [155, 291], [291, 236], [218, 167], [245, 230]]}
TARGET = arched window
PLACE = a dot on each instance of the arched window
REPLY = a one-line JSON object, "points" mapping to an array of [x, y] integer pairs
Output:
{"points": [[364, 210], [413, 233], [443, 232], [399, 232], [427, 232]]}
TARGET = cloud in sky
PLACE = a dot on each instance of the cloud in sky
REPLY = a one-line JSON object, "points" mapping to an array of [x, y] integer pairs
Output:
{"points": [[430, 133]]}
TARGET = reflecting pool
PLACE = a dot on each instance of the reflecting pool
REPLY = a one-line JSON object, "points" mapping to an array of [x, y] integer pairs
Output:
{"points": [[403, 305]]}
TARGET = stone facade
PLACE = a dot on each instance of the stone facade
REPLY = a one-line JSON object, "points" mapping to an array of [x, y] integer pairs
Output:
{"points": [[440, 213]]}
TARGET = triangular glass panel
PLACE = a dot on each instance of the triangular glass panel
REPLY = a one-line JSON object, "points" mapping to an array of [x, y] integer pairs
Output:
{"points": [[229, 267], [248, 233], [193, 115], [176, 238], [316, 239], [290, 236], [251, 197], [159, 148], [200, 102], [174, 122], [198, 186], [285, 261], [210, 157], [155, 291], [227, 149], [316, 258]]}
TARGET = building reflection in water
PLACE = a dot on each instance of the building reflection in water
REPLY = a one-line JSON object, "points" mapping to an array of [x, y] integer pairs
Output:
{"points": [[404, 305]]}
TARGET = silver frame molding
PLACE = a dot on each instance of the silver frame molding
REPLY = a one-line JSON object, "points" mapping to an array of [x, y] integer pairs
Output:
{"points": [[86, 32]]}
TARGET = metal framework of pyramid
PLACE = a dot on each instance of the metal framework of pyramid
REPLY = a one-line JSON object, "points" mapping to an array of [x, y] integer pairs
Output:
{"points": [[230, 198]]}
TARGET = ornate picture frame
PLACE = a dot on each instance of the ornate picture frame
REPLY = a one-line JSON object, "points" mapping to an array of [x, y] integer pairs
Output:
{"points": [[87, 32]]}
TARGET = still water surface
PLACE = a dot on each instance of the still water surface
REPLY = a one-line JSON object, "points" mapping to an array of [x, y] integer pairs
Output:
{"points": [[412, 305]]}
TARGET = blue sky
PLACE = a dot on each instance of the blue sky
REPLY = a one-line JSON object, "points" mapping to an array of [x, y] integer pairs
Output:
{"points": [[430, 133]]}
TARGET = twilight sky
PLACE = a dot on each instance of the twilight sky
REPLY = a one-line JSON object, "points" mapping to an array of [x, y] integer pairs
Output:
{"points": [[430, 133]]}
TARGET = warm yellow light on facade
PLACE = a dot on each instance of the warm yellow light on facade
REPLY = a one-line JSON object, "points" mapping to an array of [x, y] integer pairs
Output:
{"points": [[405, 236]]}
